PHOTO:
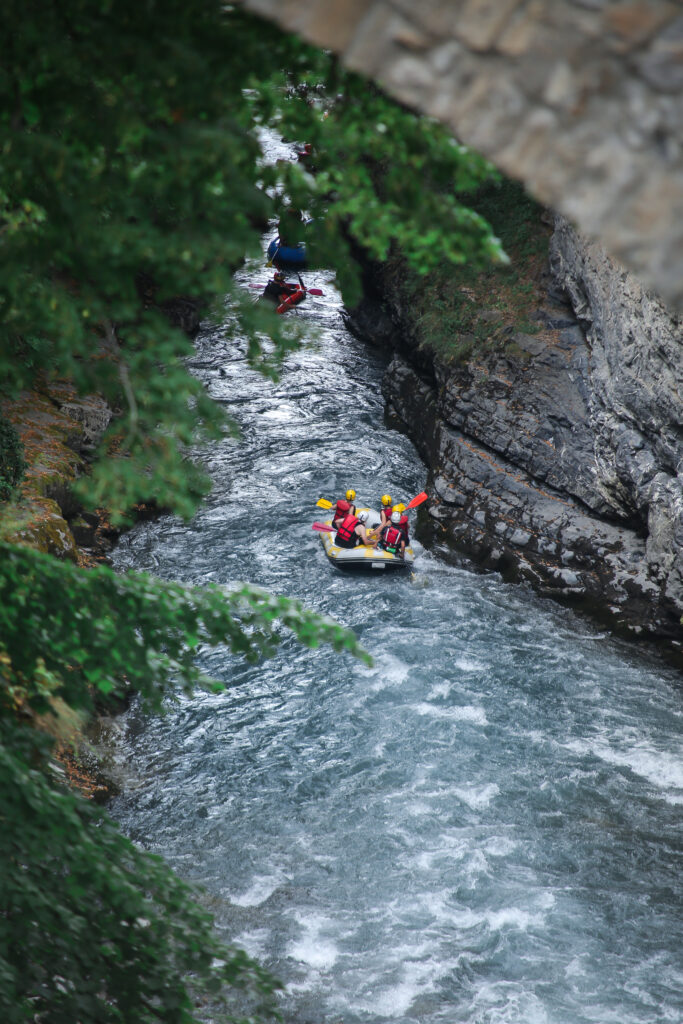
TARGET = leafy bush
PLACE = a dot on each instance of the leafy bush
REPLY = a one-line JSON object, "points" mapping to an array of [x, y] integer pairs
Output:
{"points": [[129, 154], [12, 464]]}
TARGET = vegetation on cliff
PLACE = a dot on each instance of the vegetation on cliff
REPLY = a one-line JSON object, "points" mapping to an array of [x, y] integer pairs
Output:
{"points": [[12, 462], [455, 312], [131, 174]]}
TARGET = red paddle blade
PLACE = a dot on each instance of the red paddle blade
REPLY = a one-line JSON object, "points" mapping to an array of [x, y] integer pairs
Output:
{"points": [[417, 500], [323, 528]]}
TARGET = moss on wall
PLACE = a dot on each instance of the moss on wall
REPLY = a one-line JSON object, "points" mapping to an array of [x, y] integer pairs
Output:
{"points": [[452, 312]]}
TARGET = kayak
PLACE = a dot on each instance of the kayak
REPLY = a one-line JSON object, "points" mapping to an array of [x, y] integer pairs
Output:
{"points": [[293, 299], [363, 556], [287, 255]]}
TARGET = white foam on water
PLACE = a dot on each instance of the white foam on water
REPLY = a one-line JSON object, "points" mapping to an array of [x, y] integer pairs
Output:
{"points": [[465, 918], [575, 968], [444, 848], [512, 917], [261, 888], [197, 734], [469, 665], [465, 713], [476, 866], [312, 947], [388, 671], [417, 978], [506, 1003], [440, 690], [416, 809], [661, 768], [477, 797], [499, 846], [253, 942]]}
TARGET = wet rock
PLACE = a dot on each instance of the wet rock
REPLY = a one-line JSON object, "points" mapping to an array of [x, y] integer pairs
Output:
{"points": [[48, 532], [84, 530], [94, 416], [558, 459]]}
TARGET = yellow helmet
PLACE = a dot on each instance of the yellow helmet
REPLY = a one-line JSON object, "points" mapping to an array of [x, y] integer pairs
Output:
{"points": [[350, 494], [386, 499]]}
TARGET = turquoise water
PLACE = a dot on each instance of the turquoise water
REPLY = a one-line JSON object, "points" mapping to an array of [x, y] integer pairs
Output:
{"points": [[485, 827]]}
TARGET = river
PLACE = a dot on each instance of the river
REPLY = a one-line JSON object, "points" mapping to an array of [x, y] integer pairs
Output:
{"points": [[485, 827]]}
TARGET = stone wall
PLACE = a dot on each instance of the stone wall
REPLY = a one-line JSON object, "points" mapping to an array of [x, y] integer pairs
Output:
{"points": [[580, 99]]}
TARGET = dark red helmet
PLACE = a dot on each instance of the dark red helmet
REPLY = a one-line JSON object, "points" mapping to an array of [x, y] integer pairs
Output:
{"points": [[343, 505]]}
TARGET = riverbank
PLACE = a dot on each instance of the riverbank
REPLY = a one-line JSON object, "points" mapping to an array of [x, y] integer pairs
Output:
{"points": [[550, 427], [52, 434]]}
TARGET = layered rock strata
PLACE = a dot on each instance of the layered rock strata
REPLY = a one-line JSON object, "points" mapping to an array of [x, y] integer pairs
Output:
{"points": [[558, 459]]}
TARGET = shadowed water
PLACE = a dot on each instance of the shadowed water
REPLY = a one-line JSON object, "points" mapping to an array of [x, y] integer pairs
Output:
{"points": [[485, 826]]}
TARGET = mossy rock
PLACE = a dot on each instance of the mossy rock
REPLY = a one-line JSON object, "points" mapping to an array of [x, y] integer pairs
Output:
{"points": [[47, 530]]}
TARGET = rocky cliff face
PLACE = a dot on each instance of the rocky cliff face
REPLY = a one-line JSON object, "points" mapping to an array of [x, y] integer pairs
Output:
{"points": [[558, 458]]}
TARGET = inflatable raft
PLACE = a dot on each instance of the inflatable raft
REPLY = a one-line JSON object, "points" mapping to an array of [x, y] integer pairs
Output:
{"points": [[364, 557], [287, 255]]}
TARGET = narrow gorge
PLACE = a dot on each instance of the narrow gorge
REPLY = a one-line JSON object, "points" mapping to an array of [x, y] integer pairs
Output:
{"points": [[555, 454]]}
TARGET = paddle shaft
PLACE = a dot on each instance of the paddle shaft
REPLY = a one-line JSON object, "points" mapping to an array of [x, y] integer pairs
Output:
{"points": [[309, 291]]}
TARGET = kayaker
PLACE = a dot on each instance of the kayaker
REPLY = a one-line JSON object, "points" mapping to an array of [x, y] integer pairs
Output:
{"points": [[279, 288], [392, 538], [305, 156], [351, 531]]}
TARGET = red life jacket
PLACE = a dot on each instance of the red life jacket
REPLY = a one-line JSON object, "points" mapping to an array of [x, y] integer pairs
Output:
{"points": [[391, 537], [341, 510], [403, 525], [346, 529]]}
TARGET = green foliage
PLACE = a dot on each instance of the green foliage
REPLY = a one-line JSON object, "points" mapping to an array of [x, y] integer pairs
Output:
{"points": [[128, 158], [93, 929], [385, 177], [12, 464], [65, 633], [515, 217], [446, 307], [130, 174]]}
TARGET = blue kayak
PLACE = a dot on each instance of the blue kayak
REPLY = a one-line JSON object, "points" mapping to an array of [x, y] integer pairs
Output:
{"points": [[287, 255]]}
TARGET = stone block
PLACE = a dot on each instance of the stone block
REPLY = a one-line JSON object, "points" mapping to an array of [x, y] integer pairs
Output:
{"points": [[662, 64], [372, 49], [633, 23], [524, 31], [561, 89], [482, 21]]}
